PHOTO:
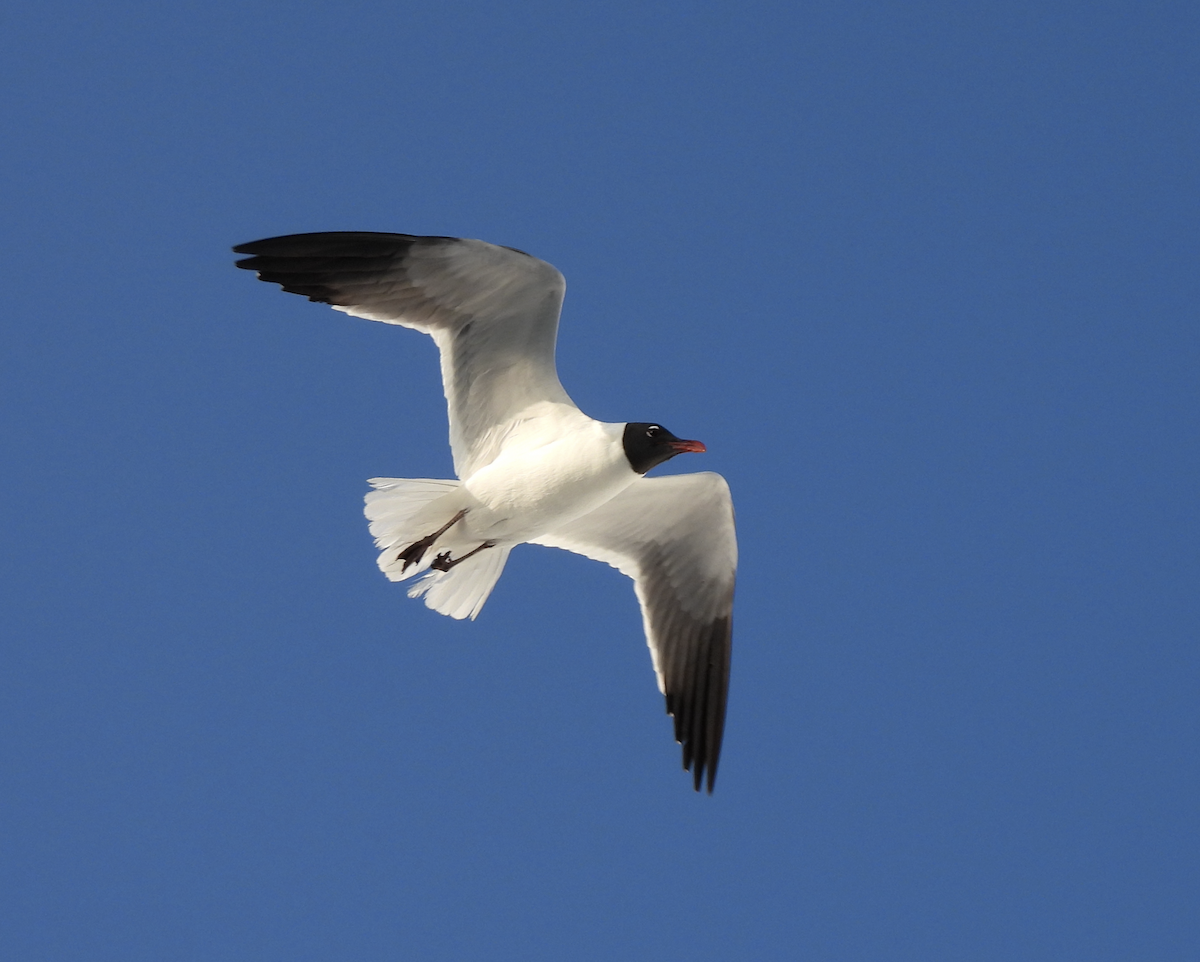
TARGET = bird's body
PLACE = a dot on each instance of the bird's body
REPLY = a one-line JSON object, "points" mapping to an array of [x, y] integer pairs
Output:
{"points": [[550, 470], [531, 466]]}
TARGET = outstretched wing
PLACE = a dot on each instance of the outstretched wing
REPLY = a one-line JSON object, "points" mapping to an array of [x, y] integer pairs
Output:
{"points": [[493, 312], [674, 536]]}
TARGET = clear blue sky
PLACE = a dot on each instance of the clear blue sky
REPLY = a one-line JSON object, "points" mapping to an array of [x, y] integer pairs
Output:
{"points": [[922, 275]]}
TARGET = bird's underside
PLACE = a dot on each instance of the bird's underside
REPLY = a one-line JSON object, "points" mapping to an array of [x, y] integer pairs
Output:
{"points": [[531, 467], [415, 552]]}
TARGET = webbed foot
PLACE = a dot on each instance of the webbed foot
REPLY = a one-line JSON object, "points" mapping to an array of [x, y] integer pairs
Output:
{"points": [[444, 562], [416, 551]]}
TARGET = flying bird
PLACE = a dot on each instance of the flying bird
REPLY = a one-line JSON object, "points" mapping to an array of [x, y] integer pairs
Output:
{"points": [[532, 468]]}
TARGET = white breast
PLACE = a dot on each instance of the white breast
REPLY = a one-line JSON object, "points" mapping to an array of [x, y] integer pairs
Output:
{"points": [[549, 472]]}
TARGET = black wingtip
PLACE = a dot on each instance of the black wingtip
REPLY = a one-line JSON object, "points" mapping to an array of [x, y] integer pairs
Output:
{"points": [[322, 266], [698, 702], [704, 772], [338, 243]]}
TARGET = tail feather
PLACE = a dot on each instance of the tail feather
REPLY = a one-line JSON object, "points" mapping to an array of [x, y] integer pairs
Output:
{"points": [[461, 591], [395, 510], [401, 511]]}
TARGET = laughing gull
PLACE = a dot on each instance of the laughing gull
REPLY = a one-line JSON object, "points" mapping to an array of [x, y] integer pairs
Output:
{"points": [[532, 468]]}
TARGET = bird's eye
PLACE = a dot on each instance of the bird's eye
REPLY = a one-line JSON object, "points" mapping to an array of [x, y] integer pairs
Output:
{"points": [[653, 431]]}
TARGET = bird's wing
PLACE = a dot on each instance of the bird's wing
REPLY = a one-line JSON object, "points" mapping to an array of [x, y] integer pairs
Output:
{"points": [[493, 312], [674, 536]]}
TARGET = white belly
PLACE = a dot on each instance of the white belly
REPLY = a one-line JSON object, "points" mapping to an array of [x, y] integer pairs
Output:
{"points": [[540, 482]]}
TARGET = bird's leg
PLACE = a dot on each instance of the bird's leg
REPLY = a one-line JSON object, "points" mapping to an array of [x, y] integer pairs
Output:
{"points": [[443, 561], [416, 551]]}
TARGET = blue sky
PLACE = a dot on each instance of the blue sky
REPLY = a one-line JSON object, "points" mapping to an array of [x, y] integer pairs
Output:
{"points": [[921, 275]]}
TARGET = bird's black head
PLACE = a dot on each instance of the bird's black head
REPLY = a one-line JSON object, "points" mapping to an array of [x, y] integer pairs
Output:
{"points": [[648, 445]]}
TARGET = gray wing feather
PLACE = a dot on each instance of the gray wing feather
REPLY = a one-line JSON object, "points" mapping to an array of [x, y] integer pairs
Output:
{"points": [[493, 312], [674, 536]]}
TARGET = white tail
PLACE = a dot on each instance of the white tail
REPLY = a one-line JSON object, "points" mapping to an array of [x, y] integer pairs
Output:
{"points": [[396, 510], [401, 512], [461, 591]]}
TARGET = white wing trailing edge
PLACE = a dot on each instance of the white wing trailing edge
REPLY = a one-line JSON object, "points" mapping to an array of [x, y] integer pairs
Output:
{"points": [[675, 538]]}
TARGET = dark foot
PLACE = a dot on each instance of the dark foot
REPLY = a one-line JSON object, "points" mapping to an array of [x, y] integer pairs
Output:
{"points": [[443, 562], [416, 551]]}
